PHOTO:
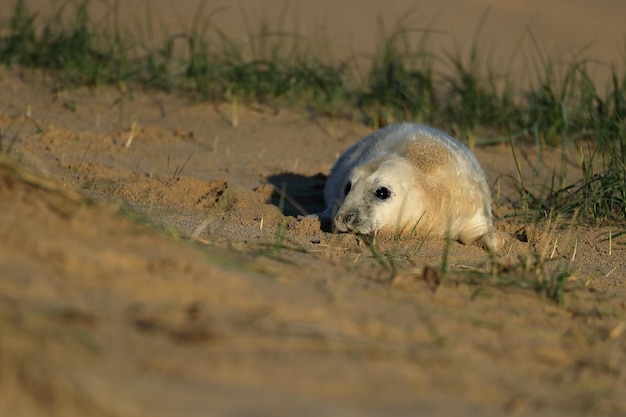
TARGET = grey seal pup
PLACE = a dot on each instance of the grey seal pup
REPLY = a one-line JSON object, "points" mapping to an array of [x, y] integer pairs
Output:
{"points": [[410, 177]]}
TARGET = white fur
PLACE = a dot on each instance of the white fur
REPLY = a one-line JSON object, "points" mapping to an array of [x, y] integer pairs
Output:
{"points": [[435, 183]]}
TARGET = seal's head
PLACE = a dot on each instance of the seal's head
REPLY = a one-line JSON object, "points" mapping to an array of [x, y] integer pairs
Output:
{"points": [[378, 194]]}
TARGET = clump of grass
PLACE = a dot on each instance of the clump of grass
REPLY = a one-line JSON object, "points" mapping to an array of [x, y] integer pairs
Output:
{"points": [[401, 83], [76, 51], [275, 64], [559, 106], [597, 198], [475, 96], [529, 273], [388, 260], [541, 273], [600, 197]]}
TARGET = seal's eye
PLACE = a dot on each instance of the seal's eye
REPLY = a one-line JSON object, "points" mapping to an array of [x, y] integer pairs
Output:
{"points": [[346, 190], [382, 193]]}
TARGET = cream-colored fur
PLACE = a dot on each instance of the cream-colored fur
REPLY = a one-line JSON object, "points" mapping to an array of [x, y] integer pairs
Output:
{"points": [[406, 176]]}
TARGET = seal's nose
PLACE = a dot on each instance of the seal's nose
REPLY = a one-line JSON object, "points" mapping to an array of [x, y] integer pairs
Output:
{"points": [[346, 221]]}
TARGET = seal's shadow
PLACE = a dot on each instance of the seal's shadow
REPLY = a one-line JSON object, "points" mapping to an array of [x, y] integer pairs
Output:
{"points": [[298, 195]]}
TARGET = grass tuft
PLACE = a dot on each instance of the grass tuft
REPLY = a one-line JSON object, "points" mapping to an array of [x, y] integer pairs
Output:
{"points": [[401, 83]]}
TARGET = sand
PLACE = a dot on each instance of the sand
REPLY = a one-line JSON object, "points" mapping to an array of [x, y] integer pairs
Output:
{"points": [[147, 268]]}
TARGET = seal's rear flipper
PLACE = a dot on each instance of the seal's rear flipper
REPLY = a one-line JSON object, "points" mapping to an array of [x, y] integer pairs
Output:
{"points": [[495, 241]]}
